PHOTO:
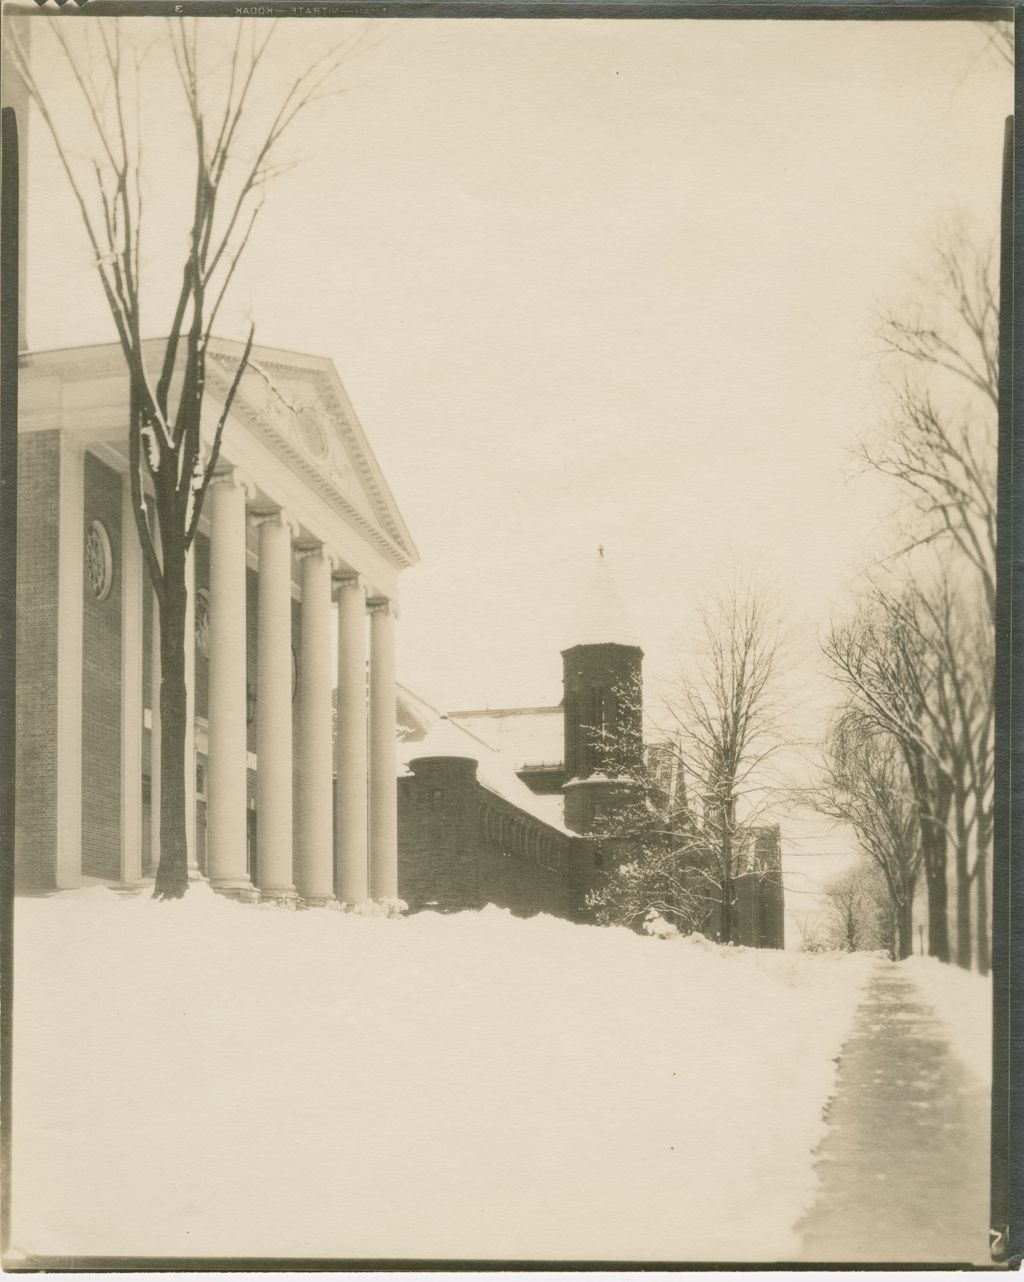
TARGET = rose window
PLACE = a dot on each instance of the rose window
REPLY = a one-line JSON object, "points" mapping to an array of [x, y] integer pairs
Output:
{"points": [[311, 434], [99, 560]]}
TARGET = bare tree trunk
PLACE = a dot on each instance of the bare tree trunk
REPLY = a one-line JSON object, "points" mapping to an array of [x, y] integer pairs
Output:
{"points": [[981, 891], [725, 928], [725, 932], [938, 910], [933, 808], [963, 885], [905, 929], [172, 871]]}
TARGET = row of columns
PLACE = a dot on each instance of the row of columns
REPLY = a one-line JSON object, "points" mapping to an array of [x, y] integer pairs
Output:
{"points": [[348, 849]]}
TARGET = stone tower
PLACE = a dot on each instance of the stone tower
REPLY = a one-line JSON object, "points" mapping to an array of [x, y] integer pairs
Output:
{"points": [[602, 704]]}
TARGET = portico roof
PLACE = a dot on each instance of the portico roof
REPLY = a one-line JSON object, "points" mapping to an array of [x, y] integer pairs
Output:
{"points": [[292, 404]]}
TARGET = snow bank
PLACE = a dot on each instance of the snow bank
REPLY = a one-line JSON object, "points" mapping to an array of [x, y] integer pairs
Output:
{"points": [[207, 1078], [963, 1002]]}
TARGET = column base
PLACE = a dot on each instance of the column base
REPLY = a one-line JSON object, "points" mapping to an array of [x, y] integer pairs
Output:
{"points": [[134, 887], [317, 901], [278, 895], [231, 888]]}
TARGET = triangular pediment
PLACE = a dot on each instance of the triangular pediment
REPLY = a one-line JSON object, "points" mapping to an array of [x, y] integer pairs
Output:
{"points": [[294, 404], [297, 405]]}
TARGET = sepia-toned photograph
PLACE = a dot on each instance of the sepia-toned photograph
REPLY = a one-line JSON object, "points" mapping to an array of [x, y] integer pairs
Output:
{"points": [[505, 636]]}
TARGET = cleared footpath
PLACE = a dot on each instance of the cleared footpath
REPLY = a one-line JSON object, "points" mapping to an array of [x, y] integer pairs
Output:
{"points": [[904, 1167]]}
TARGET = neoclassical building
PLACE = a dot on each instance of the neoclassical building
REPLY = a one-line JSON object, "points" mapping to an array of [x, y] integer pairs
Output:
{"points": [[294, 586]]}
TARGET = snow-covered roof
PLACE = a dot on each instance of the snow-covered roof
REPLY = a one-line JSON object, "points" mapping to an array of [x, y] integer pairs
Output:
{"points": [[425, 732], [526, 736], [600, 617], [553, 805]]}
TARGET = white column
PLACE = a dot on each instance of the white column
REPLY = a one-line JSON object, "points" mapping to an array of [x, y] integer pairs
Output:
{"points": [[383, 753], [190, 716], [226, 768], [132, 588], [314, 863], [274, 707], [70, 598], [351, 813]]}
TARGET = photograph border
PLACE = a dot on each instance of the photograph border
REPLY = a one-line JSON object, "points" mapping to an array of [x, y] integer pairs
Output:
{"points": [[1007, 1174]]}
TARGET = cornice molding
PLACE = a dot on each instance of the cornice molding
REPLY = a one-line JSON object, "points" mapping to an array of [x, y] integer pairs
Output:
{"points": [[384, 531], [387, 539], [72, 365]]}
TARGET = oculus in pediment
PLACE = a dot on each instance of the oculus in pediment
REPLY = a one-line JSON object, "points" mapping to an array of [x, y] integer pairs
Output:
{"points": [[305, 412]]}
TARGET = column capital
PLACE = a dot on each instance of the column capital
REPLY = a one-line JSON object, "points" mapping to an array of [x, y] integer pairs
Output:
{"points": [[381, 605], [313, 547], [345, 578], [228, 475], [275, 516]]}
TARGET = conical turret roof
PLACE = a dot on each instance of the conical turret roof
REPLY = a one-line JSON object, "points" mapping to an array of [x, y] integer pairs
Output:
{"points": [[600, 617]]}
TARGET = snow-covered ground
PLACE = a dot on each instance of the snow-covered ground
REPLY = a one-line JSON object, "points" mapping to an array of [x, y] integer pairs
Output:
{"points": [[208, 1078], [963, 1002]]}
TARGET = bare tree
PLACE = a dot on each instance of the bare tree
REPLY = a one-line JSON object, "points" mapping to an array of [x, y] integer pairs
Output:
{"points": [[651, 875], [940, 444], [957, 650], [865, 785], [810, 927], [653, 857], [725, 718], [171, 466], [856, 914], [881, 663], [917, 667], [930, 681]]}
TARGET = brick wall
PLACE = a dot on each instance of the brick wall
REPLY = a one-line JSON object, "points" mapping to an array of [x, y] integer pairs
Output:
{"points": [[436, 823], [524, 864], [461, 846], [36, 658], [101, 687]]}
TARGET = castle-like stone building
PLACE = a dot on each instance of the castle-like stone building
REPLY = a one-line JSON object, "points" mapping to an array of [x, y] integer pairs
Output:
{"points": [[503, 805]]}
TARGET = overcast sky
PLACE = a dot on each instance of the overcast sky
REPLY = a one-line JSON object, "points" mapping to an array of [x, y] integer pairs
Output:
{"points": [[598, 282]]}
